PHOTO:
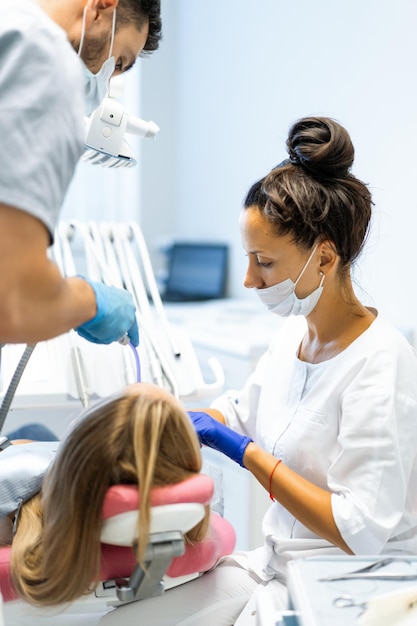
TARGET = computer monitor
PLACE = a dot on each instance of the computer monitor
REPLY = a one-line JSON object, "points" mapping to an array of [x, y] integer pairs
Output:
{"points": [[196, 271]]}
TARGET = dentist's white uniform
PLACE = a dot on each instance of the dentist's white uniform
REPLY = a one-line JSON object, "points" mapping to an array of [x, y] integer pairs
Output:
{"points": [[41, 111], [349, 425]]}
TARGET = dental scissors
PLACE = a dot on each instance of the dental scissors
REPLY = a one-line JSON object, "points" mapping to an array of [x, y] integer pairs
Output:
{"points": [[346, 601], [370, 572]]}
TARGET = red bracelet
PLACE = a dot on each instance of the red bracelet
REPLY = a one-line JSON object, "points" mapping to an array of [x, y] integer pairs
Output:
{"points": [[270, 480]]}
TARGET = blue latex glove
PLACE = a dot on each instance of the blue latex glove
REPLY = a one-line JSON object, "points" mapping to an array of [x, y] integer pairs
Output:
{"points": [[115, 316], [220, 437]]}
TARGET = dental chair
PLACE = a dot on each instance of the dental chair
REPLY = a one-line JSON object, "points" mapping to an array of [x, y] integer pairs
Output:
{"points": [[169, 560]]}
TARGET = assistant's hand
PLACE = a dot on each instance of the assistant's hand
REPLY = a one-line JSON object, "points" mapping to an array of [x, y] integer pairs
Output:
{"points": [[213, 433], [116, 316]]}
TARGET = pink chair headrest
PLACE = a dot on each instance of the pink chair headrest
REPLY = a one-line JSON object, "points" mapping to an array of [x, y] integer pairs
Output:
{"points": [[119, 561], [122, 498]]}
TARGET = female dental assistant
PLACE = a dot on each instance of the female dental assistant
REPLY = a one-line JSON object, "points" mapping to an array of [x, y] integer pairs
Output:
{"points": [[327, 423], [42, 128]]}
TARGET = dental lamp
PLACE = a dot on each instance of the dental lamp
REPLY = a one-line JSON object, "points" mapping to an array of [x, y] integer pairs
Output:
{"points": [[105, 136]]}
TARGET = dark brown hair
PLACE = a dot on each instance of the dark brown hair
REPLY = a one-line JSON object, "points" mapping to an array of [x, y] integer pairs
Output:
{"points": [[139, 12], [313, 195]]}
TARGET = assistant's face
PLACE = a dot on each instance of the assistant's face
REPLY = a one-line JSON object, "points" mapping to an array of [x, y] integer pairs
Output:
{"points": [[272, 258]]}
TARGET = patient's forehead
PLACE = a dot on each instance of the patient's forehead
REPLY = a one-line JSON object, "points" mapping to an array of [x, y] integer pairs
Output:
{"points": [[149, 390]]}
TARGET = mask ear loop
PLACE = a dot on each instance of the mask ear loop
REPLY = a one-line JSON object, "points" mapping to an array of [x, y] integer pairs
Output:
{"points": [[113, 30], [306, 265], [80, 47]]}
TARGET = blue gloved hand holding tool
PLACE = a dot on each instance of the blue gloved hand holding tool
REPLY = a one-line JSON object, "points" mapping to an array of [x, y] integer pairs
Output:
{"points": [[216, 435], [115, 317]]}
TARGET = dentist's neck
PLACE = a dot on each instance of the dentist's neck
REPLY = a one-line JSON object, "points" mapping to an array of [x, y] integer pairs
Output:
{"points": [[66, 13]]}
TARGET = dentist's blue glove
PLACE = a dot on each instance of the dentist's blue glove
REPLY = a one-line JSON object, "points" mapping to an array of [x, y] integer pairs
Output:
{"points": [[115, 316], [216, 435]]}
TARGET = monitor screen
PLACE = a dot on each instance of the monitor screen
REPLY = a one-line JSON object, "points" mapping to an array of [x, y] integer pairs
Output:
{"points": [[196, 271]]}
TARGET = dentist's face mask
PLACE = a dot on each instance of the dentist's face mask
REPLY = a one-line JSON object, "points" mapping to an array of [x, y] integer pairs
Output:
{"points": [[96, 86], [282, 300]]}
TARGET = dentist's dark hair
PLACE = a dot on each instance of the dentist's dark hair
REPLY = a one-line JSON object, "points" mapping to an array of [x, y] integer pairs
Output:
{"points": [[313, 195], [139, 12]]}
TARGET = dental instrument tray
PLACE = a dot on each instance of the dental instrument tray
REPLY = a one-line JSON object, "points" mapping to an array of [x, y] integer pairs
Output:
{"points": [[324, 591]]}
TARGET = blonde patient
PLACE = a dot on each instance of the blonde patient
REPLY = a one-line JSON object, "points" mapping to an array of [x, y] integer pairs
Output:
{"points": [[142, 436]]}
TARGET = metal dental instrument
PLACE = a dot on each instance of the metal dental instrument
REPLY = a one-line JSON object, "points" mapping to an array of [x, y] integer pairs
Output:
{"points": [[347, 601], [372, 576], [370, 572]]}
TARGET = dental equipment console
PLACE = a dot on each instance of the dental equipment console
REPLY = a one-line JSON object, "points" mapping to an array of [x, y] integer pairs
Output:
{"points": [[68, 370]]}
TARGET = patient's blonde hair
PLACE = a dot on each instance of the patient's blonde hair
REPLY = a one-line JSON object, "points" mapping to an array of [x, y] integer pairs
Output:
{"points": [[143, 437]]}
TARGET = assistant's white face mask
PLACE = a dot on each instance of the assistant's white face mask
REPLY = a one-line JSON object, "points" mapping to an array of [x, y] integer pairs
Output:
{"points": [[282, 299], [96, 86]]}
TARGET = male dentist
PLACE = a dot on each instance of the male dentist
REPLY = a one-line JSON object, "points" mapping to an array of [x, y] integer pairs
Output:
{"points": [[56, 59]]}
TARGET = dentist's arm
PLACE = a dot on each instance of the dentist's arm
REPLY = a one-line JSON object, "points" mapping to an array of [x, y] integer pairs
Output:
{"points": [[310, 504], [37, 303]]}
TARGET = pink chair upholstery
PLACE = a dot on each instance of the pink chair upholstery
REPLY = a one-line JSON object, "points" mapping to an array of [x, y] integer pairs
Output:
{"points": [[6, 586], [174, 505]]}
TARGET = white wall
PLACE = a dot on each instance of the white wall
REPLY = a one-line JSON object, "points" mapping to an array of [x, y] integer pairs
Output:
{"points": [[230, 78]]}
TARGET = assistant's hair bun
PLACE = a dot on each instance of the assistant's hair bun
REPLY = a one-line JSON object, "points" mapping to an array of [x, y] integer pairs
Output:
{"points": [[321, 146]]}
